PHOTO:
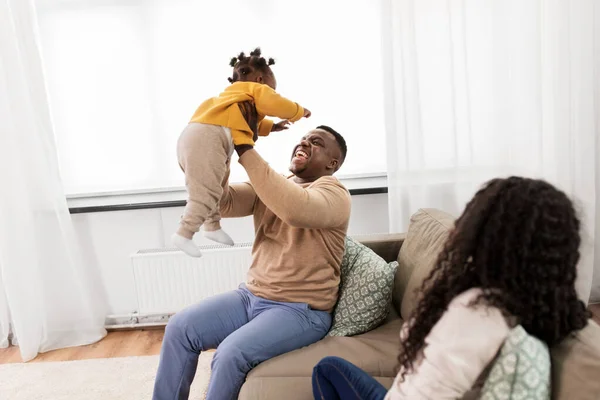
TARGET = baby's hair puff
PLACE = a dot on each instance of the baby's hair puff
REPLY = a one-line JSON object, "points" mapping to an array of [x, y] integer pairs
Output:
{"points": [[244, 65]]}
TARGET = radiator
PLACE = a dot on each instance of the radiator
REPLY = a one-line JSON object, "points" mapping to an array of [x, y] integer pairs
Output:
{"points": [[168, 280]]}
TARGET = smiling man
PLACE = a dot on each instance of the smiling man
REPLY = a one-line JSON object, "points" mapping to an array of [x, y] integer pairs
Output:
{"points": [[292, 286]]}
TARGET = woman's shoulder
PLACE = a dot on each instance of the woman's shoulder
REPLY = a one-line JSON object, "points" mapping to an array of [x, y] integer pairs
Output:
{"points": [[470, 331], [466, 308], [466, 298], [463, 311], [458, 349]]}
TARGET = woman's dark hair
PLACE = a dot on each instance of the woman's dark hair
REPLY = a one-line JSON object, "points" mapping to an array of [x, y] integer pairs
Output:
{"points": [[518, 240], [243, 65]]}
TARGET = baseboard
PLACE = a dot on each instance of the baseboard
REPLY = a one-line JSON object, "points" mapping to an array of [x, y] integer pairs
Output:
{"points": [[136, 321]]}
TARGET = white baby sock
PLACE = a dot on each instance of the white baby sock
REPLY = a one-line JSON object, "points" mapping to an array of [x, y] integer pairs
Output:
{"points": [[219, 236], [186, 245]]}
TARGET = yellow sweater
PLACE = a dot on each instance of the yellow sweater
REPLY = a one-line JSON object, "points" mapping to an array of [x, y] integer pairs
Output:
{"points": [[224, 110]]}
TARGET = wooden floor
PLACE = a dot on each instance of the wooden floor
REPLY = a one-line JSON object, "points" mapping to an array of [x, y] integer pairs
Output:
{"points": [[124, 344], [115, 344]]}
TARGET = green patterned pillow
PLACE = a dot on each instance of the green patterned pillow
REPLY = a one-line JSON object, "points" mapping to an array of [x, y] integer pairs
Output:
{"points": [[521, 370], [365, 291]]}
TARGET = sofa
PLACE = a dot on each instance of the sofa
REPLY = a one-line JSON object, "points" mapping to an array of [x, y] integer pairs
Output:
{"points": [[575, 377]]}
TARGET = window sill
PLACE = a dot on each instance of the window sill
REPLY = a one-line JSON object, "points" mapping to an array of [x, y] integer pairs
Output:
{"points": [[176, 197]]}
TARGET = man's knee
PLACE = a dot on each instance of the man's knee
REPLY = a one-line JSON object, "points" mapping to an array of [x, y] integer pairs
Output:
{"points": [[176, 327], [230, 357], [179, 331]]}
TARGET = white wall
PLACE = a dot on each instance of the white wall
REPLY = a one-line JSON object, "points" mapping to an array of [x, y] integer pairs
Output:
{"points": [[109, 238]]}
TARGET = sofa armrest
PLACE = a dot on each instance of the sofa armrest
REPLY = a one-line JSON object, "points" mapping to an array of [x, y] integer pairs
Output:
{"points": [[386, 245]]}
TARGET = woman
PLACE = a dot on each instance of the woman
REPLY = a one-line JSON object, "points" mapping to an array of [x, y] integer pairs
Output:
{"points": [[511, 259]]}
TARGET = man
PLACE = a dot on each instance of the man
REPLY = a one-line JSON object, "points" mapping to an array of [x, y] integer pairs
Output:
{"points": [[292, 286]]}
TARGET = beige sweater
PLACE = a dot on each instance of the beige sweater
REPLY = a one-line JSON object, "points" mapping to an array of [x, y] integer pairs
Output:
{"points": [[300, 230], [458, 351]]}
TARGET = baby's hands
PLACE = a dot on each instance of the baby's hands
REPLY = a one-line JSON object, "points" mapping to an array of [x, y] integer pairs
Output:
{"points": [[307, 113], [280, 126]]}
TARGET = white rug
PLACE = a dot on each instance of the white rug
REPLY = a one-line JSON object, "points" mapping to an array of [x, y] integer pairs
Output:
{"points": [[127, 378]]}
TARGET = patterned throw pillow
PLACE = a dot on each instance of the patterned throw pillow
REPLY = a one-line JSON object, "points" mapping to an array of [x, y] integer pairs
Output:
{"points": [[365, 291], [521, 371]]}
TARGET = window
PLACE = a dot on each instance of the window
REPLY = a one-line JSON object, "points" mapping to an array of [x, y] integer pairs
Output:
{"points": [[124, 77]]}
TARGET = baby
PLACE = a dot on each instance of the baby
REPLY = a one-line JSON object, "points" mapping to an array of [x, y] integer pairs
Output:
{"points": [[205, 146]]}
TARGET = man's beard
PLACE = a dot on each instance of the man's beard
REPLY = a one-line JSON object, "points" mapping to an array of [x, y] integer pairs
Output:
{"points": [[298, 170]]}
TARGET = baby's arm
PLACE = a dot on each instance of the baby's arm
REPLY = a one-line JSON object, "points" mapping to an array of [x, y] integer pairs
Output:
{"points": [[265, 127], [269, 102]]}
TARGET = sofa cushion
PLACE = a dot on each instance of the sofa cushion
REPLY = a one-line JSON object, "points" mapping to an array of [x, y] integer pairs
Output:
{"points": [[365, 291], [425, 239], [521, 370], [296, 388], [576, 365], [375, 352], [386, 245]]}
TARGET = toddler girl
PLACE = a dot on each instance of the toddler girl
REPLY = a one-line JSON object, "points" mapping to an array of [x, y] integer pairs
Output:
{"points": [[204, 149]]}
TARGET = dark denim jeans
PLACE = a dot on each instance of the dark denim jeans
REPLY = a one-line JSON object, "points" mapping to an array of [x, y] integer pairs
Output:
{"points": [[335, 378]]}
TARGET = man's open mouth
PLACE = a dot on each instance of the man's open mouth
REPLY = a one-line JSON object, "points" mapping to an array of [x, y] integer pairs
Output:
{"points": [[301, 154]]}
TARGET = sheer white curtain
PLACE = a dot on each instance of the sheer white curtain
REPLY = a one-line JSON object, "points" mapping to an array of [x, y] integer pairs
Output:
{"points": [[487, 88], [48, 296]]}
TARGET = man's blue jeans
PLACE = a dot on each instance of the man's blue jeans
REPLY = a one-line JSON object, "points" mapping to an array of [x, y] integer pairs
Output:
{"points": [[245, 329], [335, 378]]}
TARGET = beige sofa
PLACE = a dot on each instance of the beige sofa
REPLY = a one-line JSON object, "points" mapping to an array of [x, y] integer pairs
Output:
{"points": [[289, 375]]}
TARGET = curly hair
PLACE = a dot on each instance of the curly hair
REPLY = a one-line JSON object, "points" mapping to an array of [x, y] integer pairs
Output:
{"points": [[518, 240], [244, 66]]}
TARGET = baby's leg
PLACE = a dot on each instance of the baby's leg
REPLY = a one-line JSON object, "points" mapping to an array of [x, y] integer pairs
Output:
{"points": [[203, 157], [212, 225], [212, 229]]}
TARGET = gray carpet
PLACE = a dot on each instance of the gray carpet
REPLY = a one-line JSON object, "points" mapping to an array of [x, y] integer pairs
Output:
{"points": [[127, 378]]}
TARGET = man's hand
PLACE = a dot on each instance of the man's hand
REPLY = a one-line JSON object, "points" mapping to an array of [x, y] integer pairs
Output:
{"points": [[307, 113], [280, 126]]}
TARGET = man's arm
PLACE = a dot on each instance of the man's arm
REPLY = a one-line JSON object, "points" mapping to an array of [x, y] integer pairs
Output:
{"points": [[325, 205], [238, 200]]}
